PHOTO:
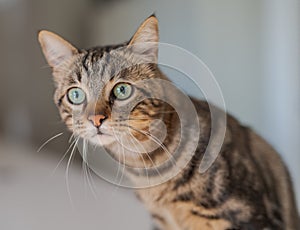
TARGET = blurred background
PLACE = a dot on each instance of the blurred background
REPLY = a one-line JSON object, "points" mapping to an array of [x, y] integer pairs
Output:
{"points": [[252, 47]]}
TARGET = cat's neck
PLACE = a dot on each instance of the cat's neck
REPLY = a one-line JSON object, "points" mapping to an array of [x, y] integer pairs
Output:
{"points": [[152, 151]]}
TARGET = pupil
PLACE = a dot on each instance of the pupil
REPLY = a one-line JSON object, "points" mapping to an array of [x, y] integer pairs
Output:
{"points": [[76, 94], [122, 89]]}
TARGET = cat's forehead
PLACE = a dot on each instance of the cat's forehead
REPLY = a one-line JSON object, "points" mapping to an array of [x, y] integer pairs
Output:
{"points": [[101, 66], [98, 66], [108, 61]]}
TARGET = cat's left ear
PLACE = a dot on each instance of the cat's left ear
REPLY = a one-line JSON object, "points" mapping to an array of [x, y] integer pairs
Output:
{"points": [[55, 48], [145, 40]]}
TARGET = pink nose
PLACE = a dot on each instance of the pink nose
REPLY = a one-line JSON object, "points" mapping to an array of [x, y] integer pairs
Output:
{"points": [[96, 119]]}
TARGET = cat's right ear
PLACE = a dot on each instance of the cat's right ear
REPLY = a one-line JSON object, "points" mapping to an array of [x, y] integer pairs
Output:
{"points": [[56, 49]]}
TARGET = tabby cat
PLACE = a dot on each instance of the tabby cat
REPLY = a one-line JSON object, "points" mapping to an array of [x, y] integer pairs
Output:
{"points": [[247, 186]]}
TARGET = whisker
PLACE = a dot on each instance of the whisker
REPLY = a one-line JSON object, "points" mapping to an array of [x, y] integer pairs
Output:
{"points": [[67, 170], [119, 163], [160, 112], [86, 170], [71, 137], [46, 142], [144, 117], [45, 67], [132, 119], [63, 157], [142, 157], [157, 141], [124, 162], [149, 157]]}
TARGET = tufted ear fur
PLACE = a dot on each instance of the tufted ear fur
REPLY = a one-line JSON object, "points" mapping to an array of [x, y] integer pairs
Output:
{"points": [[56, 49]]}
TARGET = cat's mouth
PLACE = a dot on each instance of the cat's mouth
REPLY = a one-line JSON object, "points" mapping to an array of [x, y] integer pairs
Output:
{"points": [[99, 132], [102, 137]]}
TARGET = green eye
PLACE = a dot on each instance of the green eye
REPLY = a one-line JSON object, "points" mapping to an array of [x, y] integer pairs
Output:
{"points": [[76, 96], [122, 91]]}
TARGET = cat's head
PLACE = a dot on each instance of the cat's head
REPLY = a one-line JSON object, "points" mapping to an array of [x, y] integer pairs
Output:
{"points": [[98, 91]]}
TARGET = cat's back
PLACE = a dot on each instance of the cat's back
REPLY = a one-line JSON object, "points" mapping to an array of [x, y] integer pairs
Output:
{"points": [[257, 172], [277, 178]]}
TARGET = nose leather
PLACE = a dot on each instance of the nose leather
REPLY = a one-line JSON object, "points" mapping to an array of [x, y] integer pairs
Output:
{"points": [[96, 119]]}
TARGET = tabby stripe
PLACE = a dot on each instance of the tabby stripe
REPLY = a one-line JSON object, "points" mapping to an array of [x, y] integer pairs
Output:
{"points": [[159, 218], [155, 102], [94, 56], [260, 172], [207, 200], [192, 166], [150, 172], [258, 168], [144, 112], [144, 91], [210, 217], [65, 110], [60, 100], [189, 173], [153, 172], [273, 195], [106, 58], [72, 81], [84, 62], [184, 197], [210, 185], [65, 119], [253, 195], [79, 77]]}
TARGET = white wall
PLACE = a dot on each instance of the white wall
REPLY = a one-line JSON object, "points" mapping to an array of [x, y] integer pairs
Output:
{"points": [[281, 46]]}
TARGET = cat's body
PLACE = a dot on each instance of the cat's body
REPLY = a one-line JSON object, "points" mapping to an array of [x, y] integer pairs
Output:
{"points": [[247, 186]]}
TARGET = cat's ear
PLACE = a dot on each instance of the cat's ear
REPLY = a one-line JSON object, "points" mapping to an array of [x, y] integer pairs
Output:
{"points": [[146, 37], [56, 49]]}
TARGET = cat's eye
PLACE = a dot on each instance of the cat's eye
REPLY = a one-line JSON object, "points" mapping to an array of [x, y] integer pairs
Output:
{"points": [[76, 96], [122, 91]]}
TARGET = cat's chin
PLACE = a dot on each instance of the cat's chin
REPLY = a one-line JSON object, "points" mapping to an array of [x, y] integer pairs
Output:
{"points": [[102, 139]]}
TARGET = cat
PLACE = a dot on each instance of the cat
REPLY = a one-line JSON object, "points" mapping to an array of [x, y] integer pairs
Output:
{"points": [[246, 187]]}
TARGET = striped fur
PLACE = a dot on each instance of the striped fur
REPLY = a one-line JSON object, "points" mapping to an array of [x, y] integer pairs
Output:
{"points": [[247, 187]]}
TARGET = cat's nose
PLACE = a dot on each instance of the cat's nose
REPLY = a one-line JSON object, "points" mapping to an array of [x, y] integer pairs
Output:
{"points": [[96, 119]]}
